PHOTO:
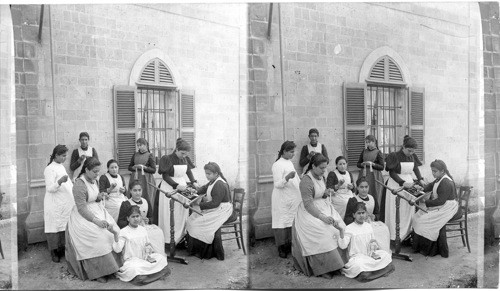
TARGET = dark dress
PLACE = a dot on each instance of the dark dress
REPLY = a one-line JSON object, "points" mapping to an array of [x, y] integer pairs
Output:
{"points": [[146, 159], [376, 157], [220, 193]]}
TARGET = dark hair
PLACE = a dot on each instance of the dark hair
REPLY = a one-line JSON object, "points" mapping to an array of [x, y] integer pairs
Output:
{"points": [[133, 209], [84, 133], [133, 184], [313, 130], [214, 168], [182, 145], [441, 166], [142, 140], [340, 158], [110, 162], [409, 142], [361, 180], [360, 205], [285, 147], [371, 137], [316, 160], [89, 164], [58, 150]]}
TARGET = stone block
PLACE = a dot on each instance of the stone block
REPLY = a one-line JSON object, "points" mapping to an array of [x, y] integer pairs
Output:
{"points": [[258, 29]]}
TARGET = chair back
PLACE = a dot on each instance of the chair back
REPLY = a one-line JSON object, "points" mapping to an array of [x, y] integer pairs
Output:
{"points": [[463, 198], [238, 197]]}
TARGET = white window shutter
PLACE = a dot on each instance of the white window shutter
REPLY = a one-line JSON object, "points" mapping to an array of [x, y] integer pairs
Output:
{"points": [[187, 120], [354, 122], [125, 124]]}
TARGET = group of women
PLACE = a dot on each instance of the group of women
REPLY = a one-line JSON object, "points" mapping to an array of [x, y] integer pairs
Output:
{"points": [[105, 229], [334, 224]]}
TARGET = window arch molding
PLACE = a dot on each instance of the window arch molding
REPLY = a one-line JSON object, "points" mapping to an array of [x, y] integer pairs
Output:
{"points": [[376, 54], [145, 58]]}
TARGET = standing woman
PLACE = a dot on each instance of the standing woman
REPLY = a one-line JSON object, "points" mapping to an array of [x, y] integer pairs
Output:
{"points": [[58, 202], [80, 154], [173, 169], [143, 166], [371, 162], [315, 231], [310, 149], [342, 182], [429, 232], [204, 233], [113, 184], [401, 165], [89, 239], [285, 198]]}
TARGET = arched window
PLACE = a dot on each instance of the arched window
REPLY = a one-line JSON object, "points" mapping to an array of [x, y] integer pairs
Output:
{"points": [[382, 104], [152, 107]]}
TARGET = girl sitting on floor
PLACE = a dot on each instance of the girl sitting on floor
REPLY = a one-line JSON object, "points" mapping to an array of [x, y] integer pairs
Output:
{"points": [[155, 233], [141, 264], [366, 260]]}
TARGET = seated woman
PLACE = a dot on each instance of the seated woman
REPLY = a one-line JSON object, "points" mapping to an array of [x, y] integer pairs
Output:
{"points": [[89, 241], [315, 228], [380, 230], [342, 182], [429, 237], [113, 184], [204, 234], [366, 260], [141, 265], [154, 232]]}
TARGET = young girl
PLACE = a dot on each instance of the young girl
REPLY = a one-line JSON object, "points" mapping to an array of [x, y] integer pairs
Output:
{"points": [[113, 184], [366, 261], [341, 181], [143, 166], [371, 162], [204, 237], [380, 230], [154, 232], [141, 264]]}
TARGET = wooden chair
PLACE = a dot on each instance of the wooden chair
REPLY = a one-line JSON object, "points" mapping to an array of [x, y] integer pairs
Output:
{"points": [[460, 224], [236, 227]]}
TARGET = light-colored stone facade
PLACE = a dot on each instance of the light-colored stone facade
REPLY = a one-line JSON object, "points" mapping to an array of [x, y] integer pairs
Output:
{"points": [[439, 45], [64, 85]]}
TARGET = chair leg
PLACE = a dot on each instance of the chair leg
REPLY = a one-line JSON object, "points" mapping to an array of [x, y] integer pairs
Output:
{"points": [[462, 233], [242, 240], [236, 234], [1, 250], [467, 236]]}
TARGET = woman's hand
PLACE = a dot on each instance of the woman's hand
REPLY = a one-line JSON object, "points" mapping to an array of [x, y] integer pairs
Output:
{"points": [[341, 182], [62, 179], [290, 175], [102, 195], [113, 185], [326, 219], [146, 220], [407, 185], [196, 186], [181, 187], [102, 223], [350, 186], [122, 190]]}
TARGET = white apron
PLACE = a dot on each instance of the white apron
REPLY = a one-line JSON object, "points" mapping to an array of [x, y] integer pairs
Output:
{"points": [[342, 195], [116, 198], [318, 148], [58, 201], [405, 209], [428, 224], [285, 198], [204, 227], [155, 233], [180, 213], [81, 152], [315, 236], [88, 239]]}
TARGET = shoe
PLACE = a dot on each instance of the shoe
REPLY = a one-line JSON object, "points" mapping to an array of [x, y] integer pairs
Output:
{"points": [[282, 252], [102, 280], [55, 257], [327, 275], [60, 251]]}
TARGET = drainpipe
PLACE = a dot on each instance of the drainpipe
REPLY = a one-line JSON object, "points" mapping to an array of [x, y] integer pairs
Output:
{"points": [[281, 72]]}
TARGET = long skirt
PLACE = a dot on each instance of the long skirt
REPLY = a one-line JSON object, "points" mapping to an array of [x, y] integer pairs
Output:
{"points": [[316, 265], [55, 240], [369, 276], [206, 251], [282, 236], [93, 268], [142, 280], [430, 248]]}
